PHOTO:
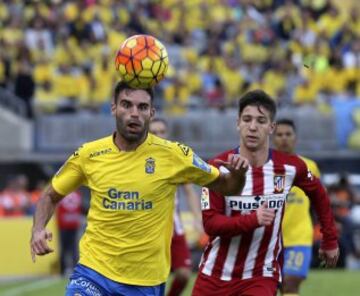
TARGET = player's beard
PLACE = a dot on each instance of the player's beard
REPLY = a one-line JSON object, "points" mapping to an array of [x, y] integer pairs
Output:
{"points": [[132, 137]]}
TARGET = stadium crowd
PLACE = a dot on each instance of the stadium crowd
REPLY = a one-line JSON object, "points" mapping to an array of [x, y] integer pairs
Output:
{"points": [[57, 56]]}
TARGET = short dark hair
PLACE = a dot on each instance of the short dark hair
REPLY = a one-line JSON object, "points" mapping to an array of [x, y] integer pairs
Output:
{"points": [[258, 98], [287, 121], [159, 119], [121, 85]]}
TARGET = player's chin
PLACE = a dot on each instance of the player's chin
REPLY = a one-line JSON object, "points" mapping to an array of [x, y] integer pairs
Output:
{"points": [[251, 145], [133, 136]]}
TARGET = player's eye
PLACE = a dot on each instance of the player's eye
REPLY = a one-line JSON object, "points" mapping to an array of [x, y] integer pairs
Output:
{"points": [[143, 107], [262, 120], [125, 104]]}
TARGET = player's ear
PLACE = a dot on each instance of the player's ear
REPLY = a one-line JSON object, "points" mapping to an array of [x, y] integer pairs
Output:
{"points": [[238, 124], [152, 113], [272, 127], [113, 108]]}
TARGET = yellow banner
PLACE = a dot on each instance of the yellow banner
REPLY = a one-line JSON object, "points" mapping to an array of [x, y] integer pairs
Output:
{"points": [[15, 256]]}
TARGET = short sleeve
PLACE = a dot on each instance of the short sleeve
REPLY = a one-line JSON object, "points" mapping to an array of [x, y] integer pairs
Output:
{"points": [[190, 168], [70, 176]]}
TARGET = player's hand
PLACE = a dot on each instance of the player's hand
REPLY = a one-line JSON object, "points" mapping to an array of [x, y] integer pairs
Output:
{"points": [[329, 258], [236, 164], [38, 243], [264, 215]]}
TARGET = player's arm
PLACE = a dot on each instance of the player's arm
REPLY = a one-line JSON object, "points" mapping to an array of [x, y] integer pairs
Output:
{"points": [[217, 223], [189, 168], [231, 183], [44, 210], [66, 180], [313, 188]]}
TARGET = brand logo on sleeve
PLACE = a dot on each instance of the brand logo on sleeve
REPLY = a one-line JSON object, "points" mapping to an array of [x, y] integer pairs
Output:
{"points": [[199, 163], [279, 183], [185, 149], [150, 165], [310, 175]]}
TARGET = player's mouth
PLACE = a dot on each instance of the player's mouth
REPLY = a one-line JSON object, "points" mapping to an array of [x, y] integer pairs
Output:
{"points": [[134, 126], [251, 138]]}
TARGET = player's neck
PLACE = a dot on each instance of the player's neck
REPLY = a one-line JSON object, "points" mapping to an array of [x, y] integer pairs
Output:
{"points": [[256, 158], [125, 145]]}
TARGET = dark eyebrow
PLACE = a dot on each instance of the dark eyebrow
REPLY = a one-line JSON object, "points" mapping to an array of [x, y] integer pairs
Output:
{"points": [[125, 100]]}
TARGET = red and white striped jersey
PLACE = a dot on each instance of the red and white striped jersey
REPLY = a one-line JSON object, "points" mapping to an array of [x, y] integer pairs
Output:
{"points": [[239, 247]]}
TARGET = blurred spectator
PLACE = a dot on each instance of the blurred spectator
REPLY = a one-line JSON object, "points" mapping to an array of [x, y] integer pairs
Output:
{"points": [[35, 195], [69, 213], [25, 85], [342, 197], [15, 199]]}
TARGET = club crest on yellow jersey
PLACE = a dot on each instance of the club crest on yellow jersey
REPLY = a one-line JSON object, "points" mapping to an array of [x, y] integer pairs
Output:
{"points": [[150, 165], [279, 183]]}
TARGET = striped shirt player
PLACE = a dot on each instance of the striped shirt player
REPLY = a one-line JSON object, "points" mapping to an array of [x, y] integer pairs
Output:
{"points": [[238, 248]]}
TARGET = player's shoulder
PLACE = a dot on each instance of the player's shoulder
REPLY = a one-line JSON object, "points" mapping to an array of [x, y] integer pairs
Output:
{"points": [[97, 147], [308, 161], [168, 145], [223, 156], [312, 166], [283, 158]]}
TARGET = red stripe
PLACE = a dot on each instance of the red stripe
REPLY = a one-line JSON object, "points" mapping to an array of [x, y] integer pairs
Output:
{"points": [[257, 189], [243, 251], [279, 169], [258, 181], [264, 244], [221, 257]]}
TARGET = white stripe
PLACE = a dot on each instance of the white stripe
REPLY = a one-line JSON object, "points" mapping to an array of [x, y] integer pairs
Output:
{"points": [[210, 262], [268, 171], [253, 250], [248, 188], [231, 258], [270, 250], [278, 254], [40, 284], [290, 173]]}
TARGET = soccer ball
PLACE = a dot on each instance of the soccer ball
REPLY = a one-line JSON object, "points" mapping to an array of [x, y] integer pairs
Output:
{"points": [[142, 61]]}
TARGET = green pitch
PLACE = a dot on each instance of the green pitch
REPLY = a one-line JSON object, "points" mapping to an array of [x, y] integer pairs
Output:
{"points": [[319, 283]]}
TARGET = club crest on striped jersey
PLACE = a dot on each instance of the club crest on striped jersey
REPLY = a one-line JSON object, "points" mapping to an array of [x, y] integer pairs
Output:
{"points": [[279, 183], [150, 165]]}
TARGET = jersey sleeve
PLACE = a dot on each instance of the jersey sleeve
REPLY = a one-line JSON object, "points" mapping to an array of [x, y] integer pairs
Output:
{"points": [[313, 188], [190, 168], [215, 221], [71, 175]]}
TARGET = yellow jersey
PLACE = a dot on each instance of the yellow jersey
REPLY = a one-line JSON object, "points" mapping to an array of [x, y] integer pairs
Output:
{"points": [[130, 220], [297, 226]]}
